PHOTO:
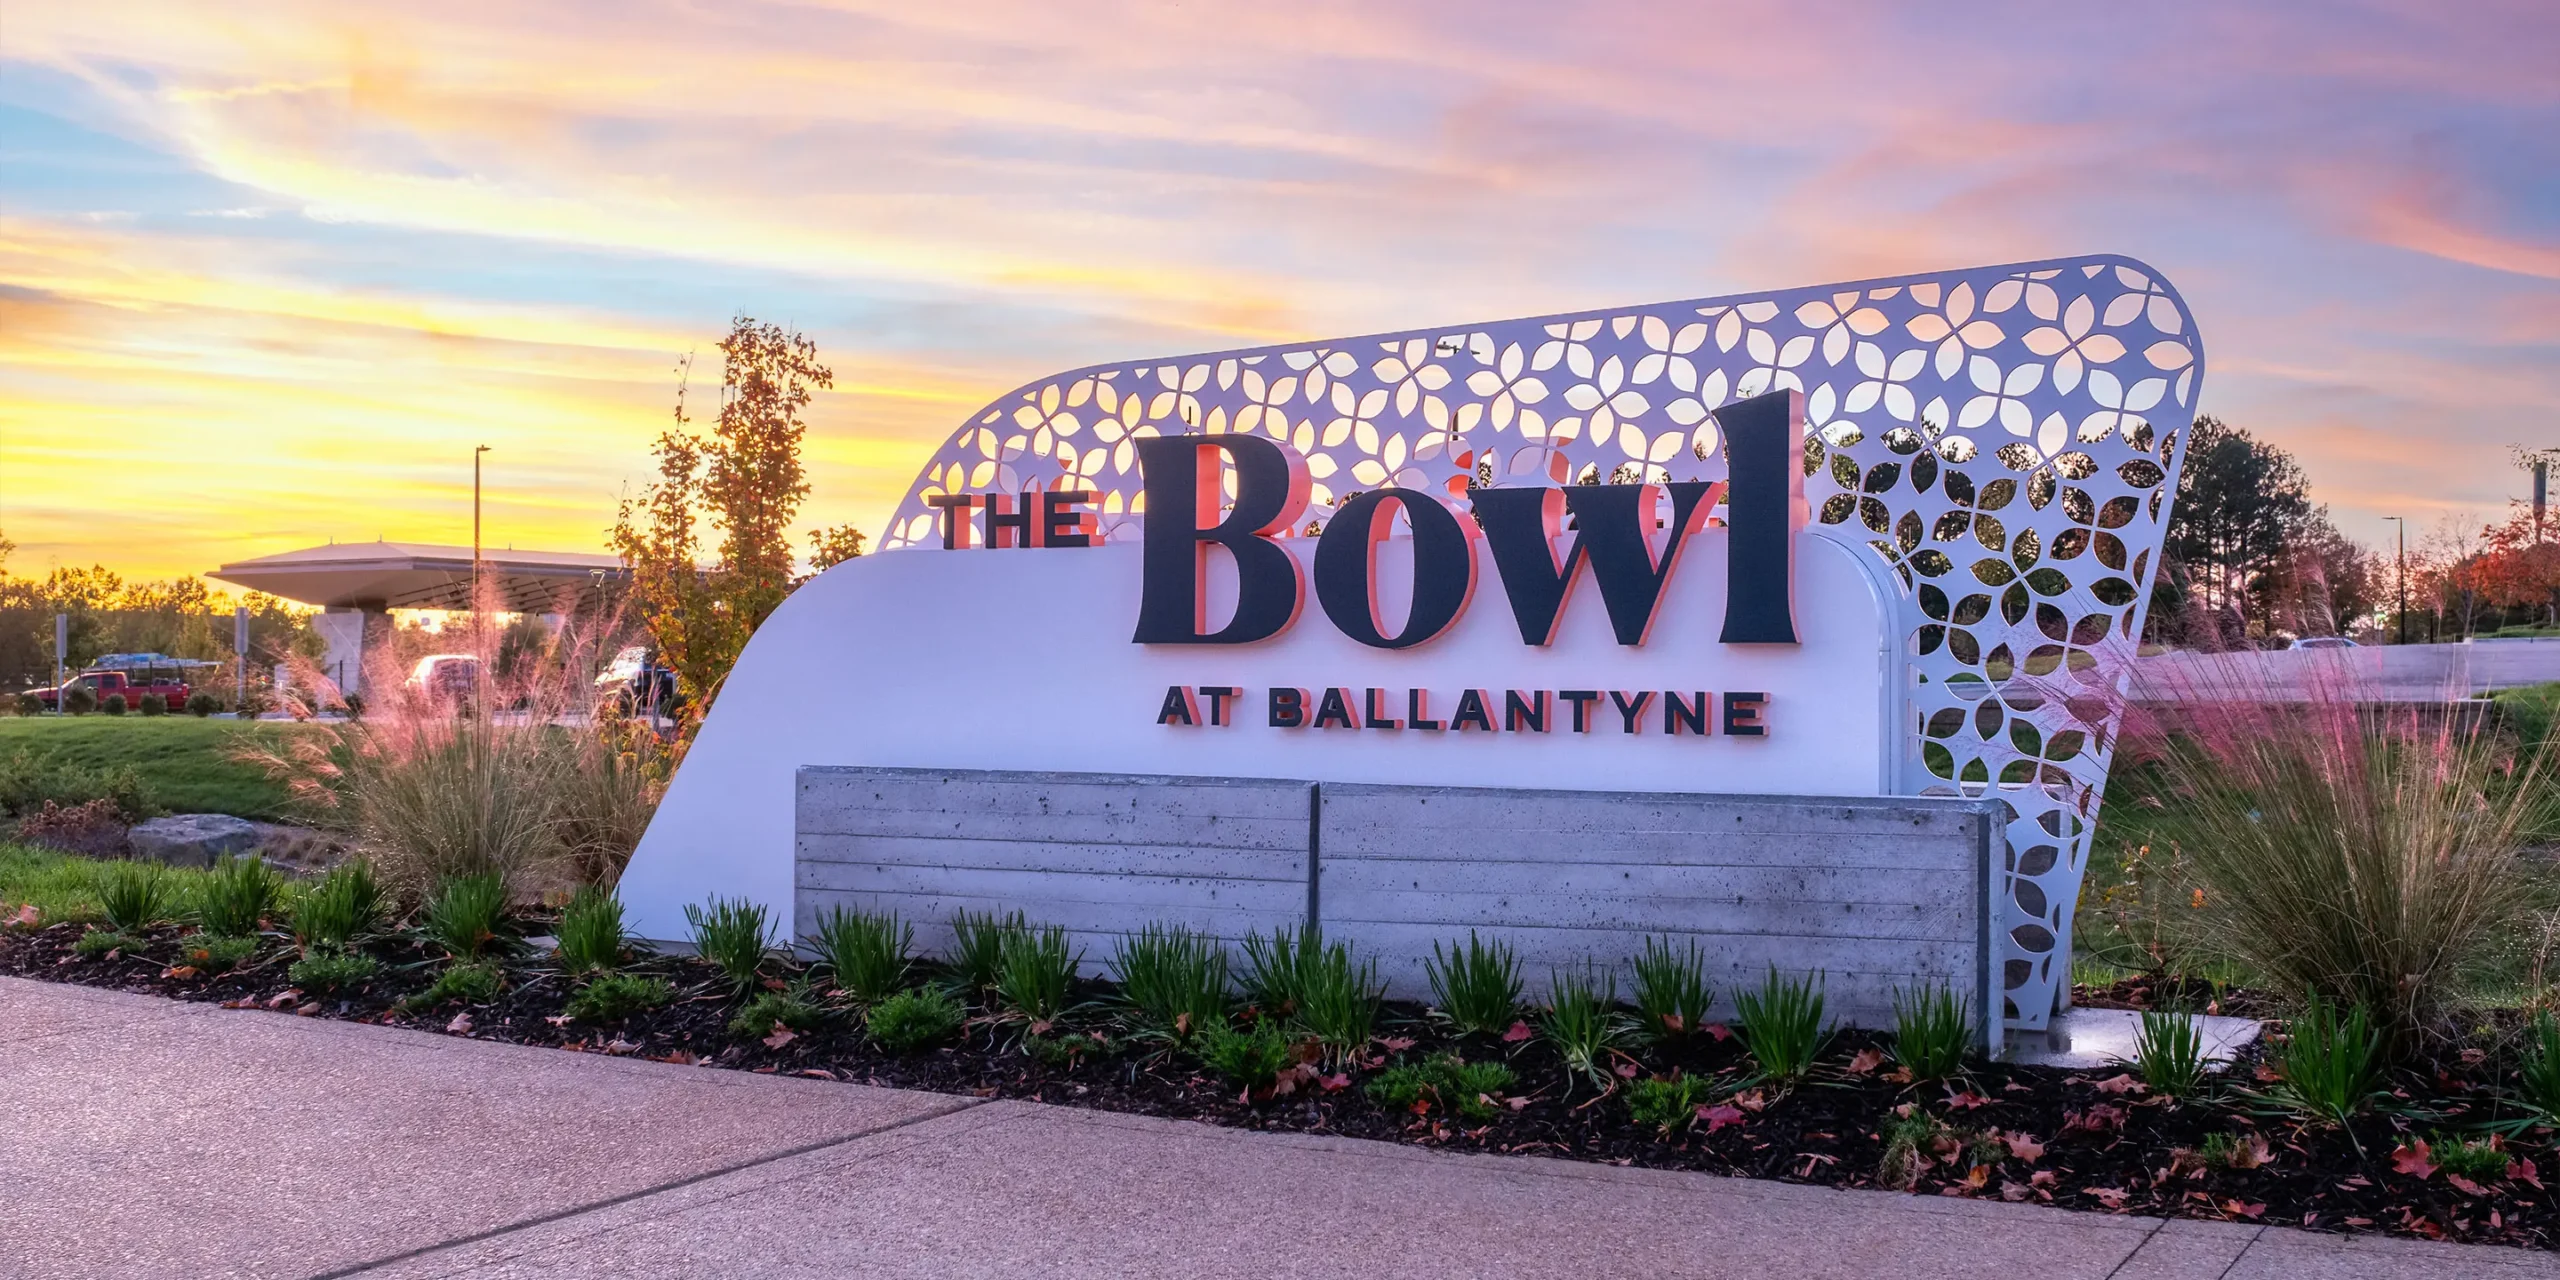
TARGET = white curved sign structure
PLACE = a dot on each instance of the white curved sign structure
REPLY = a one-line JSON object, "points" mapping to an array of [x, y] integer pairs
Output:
{"points": [[1846, 540]]}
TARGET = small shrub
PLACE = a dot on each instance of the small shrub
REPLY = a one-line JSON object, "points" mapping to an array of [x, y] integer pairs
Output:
{"points": [[1249, 1060], [1660, 1102], [115, 704], [1469, 1090], [136, 895], [1063, 1051], [30, 705], [1338, 1001], [911, 1020], [215, 952], [1782, 1025], [791, 1007], [468, 983], [1036, 974], [1911, 1144], [1582, 1023], [80, 701], [590, 936], [354, 705], [732, 934], [2538, 1068], [153, 705], [2479, 1159], [1276, 968], [2168, 1053], [95, 829], [28, 780], [1174, 979], [465, 915], [323, 970], [612, 997], [237, 896], [1932, 1032], [1476, 987], [339, 907], [1672, 995], [869, 954], [201, 705], [978, 942], [2329, 1065], [98, 942]]}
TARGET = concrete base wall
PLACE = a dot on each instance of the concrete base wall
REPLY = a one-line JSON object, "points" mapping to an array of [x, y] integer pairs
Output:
{"points": [[1875, 895]]}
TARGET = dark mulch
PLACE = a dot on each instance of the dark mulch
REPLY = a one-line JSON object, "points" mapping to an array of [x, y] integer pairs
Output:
{"points": [[2084, 1140]]}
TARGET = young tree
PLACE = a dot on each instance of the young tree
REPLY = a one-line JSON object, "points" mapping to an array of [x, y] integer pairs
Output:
{"points": [[744, 482], [2241, 508], [833, 546]]}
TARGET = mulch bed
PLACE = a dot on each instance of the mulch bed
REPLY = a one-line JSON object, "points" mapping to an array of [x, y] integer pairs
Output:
{"points": [[2090, 1140]]}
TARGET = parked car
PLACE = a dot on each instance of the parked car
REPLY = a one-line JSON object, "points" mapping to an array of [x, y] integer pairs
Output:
{"points": [[634, 682], [132, 684], [2322, 642], [446, 677]]}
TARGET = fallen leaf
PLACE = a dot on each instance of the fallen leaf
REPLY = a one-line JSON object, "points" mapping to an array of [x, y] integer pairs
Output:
{"points": [[2120, 1084], [1866, 1061], [2111, 1197], [2521, 1170], [2465, 1185], [461, 1024], [1720, 1115], [2015, 1191], [817, 1073], [1627, 1070], [1396, 1044], [283, 998], [182, 971], [2412, 1159], [775, 984], [1977, 1177], [1519, 1103], [2043, 1178], [1755, 1100], [27, 917], [1335, 1083], [618, 1045], [1519, 1031], [2250, 1153], [2024, 1146], [2357, 1222], [1967, 1100], [2243, 1210], [308, 1009], [1719, 1031]]}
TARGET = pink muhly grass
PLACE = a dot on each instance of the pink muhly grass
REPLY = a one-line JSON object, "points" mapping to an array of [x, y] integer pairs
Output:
{"points": [[2349, 850]]}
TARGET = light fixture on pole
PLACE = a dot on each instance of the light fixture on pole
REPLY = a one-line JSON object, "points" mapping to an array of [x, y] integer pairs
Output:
{"points": [[2403, 524]]}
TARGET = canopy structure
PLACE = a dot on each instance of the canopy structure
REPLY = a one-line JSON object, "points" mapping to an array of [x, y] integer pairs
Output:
{"points": [[354, 581], [377, 576]]}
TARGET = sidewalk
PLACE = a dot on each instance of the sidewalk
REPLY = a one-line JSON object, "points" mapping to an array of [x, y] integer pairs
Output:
{"points": [[140, 1137]]}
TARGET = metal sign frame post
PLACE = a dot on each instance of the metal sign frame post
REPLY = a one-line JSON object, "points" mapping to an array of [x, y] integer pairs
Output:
{"points": [[61, 650], [239, 658]]}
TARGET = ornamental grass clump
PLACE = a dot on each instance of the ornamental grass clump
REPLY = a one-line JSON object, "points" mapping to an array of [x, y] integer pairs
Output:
{"points": [[1671, 993], [136, 896], [1582, 1023], [1468, 1090], [235, 899], [1932, 1032], [733, 934], [326, 971], [2329, 1064], [977, 946], [1277, 968], [590, 937], [2538, 1069], [1782, 1025], [465, 915], [868, 954], [1476, 987], [1036, 974], [467, 983], [794, 1007], [2168, 1053], [1173, 979], [100, 942], [1667, 1102], [2348, 850], [1338, 1000], [342, 905]]}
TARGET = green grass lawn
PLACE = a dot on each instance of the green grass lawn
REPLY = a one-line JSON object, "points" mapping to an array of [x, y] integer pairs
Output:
{"points": [[186, 764]]}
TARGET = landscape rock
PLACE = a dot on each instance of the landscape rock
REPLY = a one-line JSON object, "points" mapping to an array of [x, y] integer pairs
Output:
{"points": [[194, 839]]}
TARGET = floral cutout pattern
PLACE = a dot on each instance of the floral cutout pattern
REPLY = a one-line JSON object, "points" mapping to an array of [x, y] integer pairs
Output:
{"points": [[2004, 438]]}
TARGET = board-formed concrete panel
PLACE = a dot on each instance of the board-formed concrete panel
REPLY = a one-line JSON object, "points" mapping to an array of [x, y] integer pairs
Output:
{"points": [[1874, 895], [1101, 854]]}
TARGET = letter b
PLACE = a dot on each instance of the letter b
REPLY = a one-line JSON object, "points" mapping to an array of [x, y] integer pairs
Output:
{"points": [[1183, 491]]}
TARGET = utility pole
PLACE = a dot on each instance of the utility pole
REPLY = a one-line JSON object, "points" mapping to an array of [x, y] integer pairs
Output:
{"points": [[2403, 523]]}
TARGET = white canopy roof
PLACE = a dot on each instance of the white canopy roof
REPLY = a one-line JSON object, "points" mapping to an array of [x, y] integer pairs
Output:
{"points": [[415, 575]]}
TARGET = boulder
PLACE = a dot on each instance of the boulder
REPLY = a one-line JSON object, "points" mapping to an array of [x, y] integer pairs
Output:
{"points": [[194, 839]]}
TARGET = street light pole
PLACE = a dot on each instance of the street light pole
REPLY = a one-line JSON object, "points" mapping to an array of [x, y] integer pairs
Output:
{"points": [[479, 625], [2403, 523]]}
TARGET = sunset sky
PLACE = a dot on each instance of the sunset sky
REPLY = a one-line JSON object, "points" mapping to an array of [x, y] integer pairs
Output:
{"points": [[268, 271]]}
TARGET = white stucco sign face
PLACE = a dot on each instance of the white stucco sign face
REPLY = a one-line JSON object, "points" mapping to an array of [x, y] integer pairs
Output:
{"points": [[1809, 544]]}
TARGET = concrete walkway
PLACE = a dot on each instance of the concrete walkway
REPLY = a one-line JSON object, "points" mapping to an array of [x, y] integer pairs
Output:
{"points": [[140, 1137]]}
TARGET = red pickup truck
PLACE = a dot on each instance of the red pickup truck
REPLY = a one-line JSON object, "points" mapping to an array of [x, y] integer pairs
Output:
{"points": [[131, 684]]}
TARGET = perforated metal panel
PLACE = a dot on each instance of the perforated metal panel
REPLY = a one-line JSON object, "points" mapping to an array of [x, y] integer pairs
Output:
{"points": [[2006, 438]]}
